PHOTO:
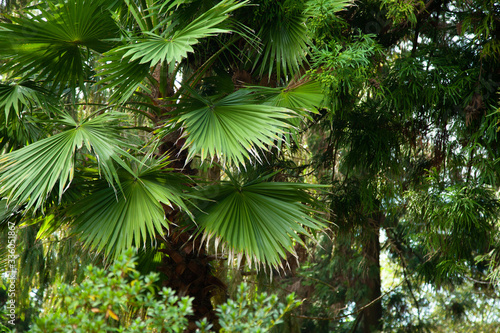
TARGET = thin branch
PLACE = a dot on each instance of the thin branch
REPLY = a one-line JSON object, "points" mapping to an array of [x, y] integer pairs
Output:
{"points": [[405, 276], [354, 312], [144, 128], [478, 281], [356, 323], [322, 282]]}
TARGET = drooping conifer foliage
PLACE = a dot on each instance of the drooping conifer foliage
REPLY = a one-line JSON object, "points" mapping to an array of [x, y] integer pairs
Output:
{"points": [[215, 133], [408, 140]]}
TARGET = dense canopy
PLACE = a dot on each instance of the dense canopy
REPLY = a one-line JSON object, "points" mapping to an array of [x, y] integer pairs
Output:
{"points": [[224, 138]]}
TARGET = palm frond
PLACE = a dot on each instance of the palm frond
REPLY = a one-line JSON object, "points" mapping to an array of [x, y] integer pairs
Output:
{"points": [[112, 223], [22, 105], [174, 45], [298, 95], [260, 220], [303, 96], [127, 66], [19, 131], [6, 212], [233, 128], [122, 74], [17, 97], [54, 44], [284, 34], [285, 45], [29, 174]]}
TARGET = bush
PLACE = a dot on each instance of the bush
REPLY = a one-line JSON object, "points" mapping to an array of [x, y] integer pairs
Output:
{"points": [[122, 300]]}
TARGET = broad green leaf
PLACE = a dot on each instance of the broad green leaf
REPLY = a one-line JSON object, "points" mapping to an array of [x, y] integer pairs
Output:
{"points": [[114, 223], [234, 128], [29, 174], [259, 220]]}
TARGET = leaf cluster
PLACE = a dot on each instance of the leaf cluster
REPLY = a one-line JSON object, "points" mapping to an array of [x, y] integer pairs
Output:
{"points": [[120, 299]]}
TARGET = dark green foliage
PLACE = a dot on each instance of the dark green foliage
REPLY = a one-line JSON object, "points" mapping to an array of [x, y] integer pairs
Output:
{"points": [[408, 139], [120, 299], [202, 115]]}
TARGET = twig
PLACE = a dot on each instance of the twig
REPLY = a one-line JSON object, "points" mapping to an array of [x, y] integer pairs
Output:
{"points": [[354, 312]]}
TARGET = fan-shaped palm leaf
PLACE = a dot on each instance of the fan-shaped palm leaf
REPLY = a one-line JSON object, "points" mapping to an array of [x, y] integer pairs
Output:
{"points": [[122, 74], [285, 45], [18, 97], [232, 128], [20, 104], [174, 44], [127, 66], [298, 95], [302, 96], [52, 44], [284, 34], [30, 173], [260, 220], [115, 223]]}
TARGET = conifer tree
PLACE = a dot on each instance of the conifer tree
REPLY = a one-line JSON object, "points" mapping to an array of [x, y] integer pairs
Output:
{"points": [[408, 139]]}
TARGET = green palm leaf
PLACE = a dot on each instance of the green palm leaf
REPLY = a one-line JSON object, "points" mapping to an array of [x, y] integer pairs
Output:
{"points": [[127, 66], [284, 33], [285, 43], [115, 223], [22, 107], [232, 129], [54, 44], [6, 212], [17, 97], [174, 45], [30, 173], [298, 95], [122, 74], [302, 96], [259, 220]]}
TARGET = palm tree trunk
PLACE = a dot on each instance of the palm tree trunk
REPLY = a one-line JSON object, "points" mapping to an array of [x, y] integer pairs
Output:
{"points": [[189, 271], [186, 265]]}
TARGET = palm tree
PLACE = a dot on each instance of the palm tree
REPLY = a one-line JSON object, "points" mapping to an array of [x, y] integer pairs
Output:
{"points": [[112, 108]]}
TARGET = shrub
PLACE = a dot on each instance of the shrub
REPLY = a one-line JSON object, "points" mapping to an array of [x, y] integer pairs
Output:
{"points": [[123, 300]]}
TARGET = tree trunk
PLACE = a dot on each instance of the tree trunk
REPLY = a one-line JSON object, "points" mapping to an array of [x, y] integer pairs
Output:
{"points": [[372, 314], [186, 265]]}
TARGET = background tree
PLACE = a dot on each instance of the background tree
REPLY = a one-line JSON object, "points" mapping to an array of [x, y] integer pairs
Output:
{"points": [[408, 142]]}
